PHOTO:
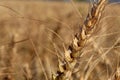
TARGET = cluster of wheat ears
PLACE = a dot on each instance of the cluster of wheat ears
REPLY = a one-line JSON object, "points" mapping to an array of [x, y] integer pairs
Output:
{"points": [[68, 65]]}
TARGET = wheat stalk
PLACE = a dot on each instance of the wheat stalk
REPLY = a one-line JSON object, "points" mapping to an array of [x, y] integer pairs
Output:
{"points": [[74, 50]]}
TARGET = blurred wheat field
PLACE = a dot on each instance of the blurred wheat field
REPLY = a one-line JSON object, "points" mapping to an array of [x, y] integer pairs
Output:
{"points": [[51, 26]]}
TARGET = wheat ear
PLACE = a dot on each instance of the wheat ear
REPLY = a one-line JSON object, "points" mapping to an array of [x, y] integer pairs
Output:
{"points": [[8, 57], [74, 50]]}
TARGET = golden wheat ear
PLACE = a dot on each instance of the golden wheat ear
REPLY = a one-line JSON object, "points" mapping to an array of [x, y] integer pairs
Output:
{"points": [[67, 66]]}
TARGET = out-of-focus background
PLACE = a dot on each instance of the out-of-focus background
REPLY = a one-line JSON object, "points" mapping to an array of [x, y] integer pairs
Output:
{"points": [[51, 24]]}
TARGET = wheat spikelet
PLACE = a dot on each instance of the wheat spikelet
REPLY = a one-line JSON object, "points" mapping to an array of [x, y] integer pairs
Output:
{"points": [[75, 49]]}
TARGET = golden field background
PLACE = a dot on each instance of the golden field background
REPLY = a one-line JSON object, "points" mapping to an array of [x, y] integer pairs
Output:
{"points": [[51, 26]]}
